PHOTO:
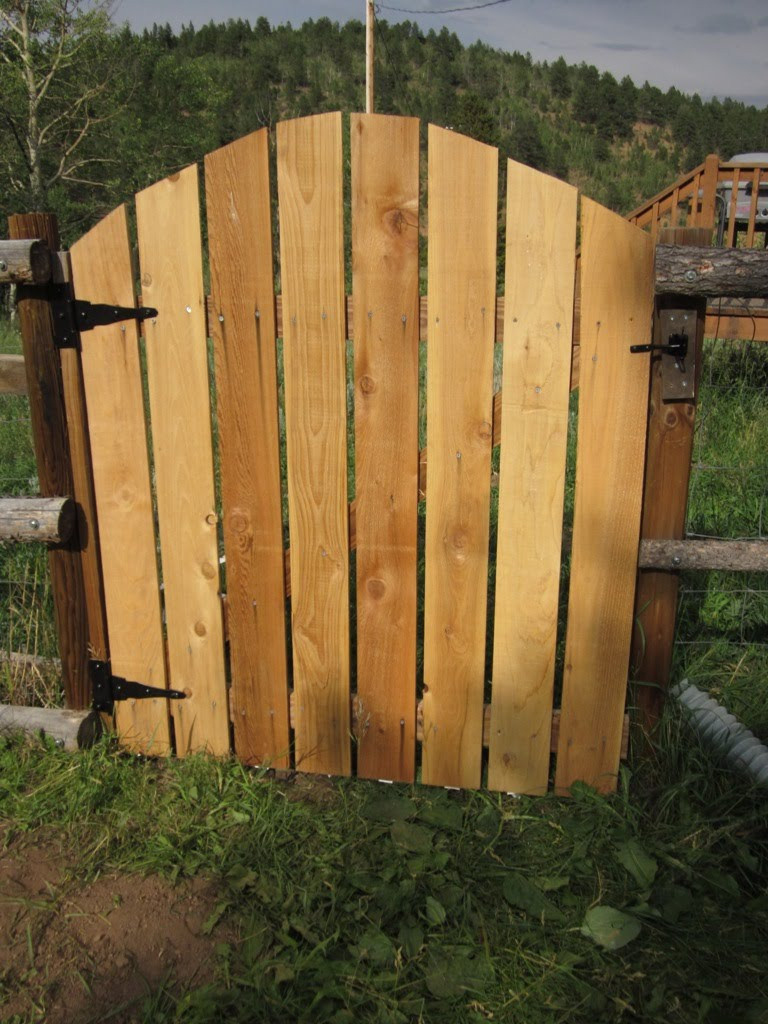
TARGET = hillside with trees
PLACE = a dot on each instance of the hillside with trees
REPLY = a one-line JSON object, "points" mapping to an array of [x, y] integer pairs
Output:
{"points": [[107, 111]]}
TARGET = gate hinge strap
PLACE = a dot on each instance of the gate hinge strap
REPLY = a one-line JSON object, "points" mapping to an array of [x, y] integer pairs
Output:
{"points": [[73, 316], [108, 688]]}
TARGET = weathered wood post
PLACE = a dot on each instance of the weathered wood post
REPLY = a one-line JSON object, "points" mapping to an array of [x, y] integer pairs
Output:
{"points": [[59, 429], [665, 497]]}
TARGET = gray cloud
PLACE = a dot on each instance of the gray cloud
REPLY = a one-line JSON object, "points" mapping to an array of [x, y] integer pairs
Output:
{"points": [[623, 47], [724, 24], [762, 21]]}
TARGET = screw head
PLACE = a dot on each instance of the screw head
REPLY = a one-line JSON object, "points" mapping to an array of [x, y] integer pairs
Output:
{"points": [[691, 275], [3, 266], [34, 524]]}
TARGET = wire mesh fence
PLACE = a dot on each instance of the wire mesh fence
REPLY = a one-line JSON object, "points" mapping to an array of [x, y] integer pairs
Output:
{"points": [[722, 623], [28, 641]]}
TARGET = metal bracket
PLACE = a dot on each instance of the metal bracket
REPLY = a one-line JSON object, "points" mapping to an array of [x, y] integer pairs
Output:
{"points": [[678, 359], [108, 688], [73, 316]]}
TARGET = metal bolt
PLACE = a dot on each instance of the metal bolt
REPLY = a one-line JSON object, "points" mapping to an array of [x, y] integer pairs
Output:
{"points": [[676, 560], [221, 318], [404, 318], [34, 524], [684, 383], [59, 742], [258, 314], [458, 455], [3, 266], [594, 358], [189, 309], [323, 315], [537, 389], [691, 275]]}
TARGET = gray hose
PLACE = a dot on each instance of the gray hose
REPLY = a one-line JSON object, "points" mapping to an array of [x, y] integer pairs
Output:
{"points": [[724, 731]]}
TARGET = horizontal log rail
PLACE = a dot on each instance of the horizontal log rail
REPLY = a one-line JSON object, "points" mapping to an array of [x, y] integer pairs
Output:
{"points": [[24, 261], [703, 554], [706, 272], [37, 520]]}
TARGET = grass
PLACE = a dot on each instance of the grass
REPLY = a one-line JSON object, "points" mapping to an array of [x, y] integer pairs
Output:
{"points": [[397, 904]]}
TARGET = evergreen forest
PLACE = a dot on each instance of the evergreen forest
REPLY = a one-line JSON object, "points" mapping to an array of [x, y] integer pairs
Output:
{"points": [[124, 109]]}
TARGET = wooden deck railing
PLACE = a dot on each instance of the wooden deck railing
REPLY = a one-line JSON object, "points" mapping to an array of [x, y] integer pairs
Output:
{"points": [[701, 198]]}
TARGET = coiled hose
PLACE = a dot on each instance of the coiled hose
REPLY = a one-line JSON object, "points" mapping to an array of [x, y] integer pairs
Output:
{"points": [[724, 731]]}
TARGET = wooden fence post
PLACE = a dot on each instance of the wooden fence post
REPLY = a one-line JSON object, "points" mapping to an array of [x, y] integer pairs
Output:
{"points": [[59, 431], [708, 190], [665, 497]]}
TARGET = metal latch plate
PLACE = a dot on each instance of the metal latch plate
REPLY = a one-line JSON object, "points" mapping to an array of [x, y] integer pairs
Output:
{"points": [[678, 376]]}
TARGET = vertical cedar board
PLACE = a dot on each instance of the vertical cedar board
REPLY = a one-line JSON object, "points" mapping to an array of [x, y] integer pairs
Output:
{"points": [[385, 287], [101, 268], [177, 361], [462, 181], [87, 518], [309, 168], [245, 351], [665, 498], [617, 306], [540, 264], [52, 456]]}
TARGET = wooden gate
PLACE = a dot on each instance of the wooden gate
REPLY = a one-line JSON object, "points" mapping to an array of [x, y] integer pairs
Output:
{"points": [[295, 672]]}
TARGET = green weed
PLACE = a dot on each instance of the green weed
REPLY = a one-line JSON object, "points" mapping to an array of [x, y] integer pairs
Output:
{"points": [[405, 904]]}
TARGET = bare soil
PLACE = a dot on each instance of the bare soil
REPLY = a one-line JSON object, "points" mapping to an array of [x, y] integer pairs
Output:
{"points": [[75, 953]]}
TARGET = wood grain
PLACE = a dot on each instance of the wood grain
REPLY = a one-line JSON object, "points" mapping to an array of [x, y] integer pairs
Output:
{"points": [[101, 269], [669, 446], [385, 285], [54, 467], [82, 476], [177, 361], [540, 261], [13, 376], [309, 168], [462, 179], [617, 307], [245, 349]]}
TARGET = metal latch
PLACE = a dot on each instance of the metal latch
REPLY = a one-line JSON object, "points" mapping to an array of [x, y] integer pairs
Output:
{"points": [[73, 316], [678, 366], [108, 688]]}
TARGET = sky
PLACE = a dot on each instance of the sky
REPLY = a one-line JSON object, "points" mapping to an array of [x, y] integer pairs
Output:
{"points": [[698, 46]]}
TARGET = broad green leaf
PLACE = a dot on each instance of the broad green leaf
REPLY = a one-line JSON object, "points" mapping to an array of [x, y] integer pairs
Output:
{"points": [[389, 808], [672, 900], [375, 946], [413, 838], [435, 911], [411, 938], [550, 883], [610, 928], [522, 893], [450, 977], [638, 863], [443, 814]]}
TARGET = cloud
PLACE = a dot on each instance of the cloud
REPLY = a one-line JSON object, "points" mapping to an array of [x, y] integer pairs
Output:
{"points": [[622, 47], [723, 24], [762, 21]]}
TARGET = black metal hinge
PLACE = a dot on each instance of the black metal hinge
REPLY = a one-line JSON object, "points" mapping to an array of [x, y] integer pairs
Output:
{"points": [[108, 688], [73, 316]]}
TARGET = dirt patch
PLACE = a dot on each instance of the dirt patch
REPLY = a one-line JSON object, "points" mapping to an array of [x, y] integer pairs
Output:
{"points": [[73, 953]]}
